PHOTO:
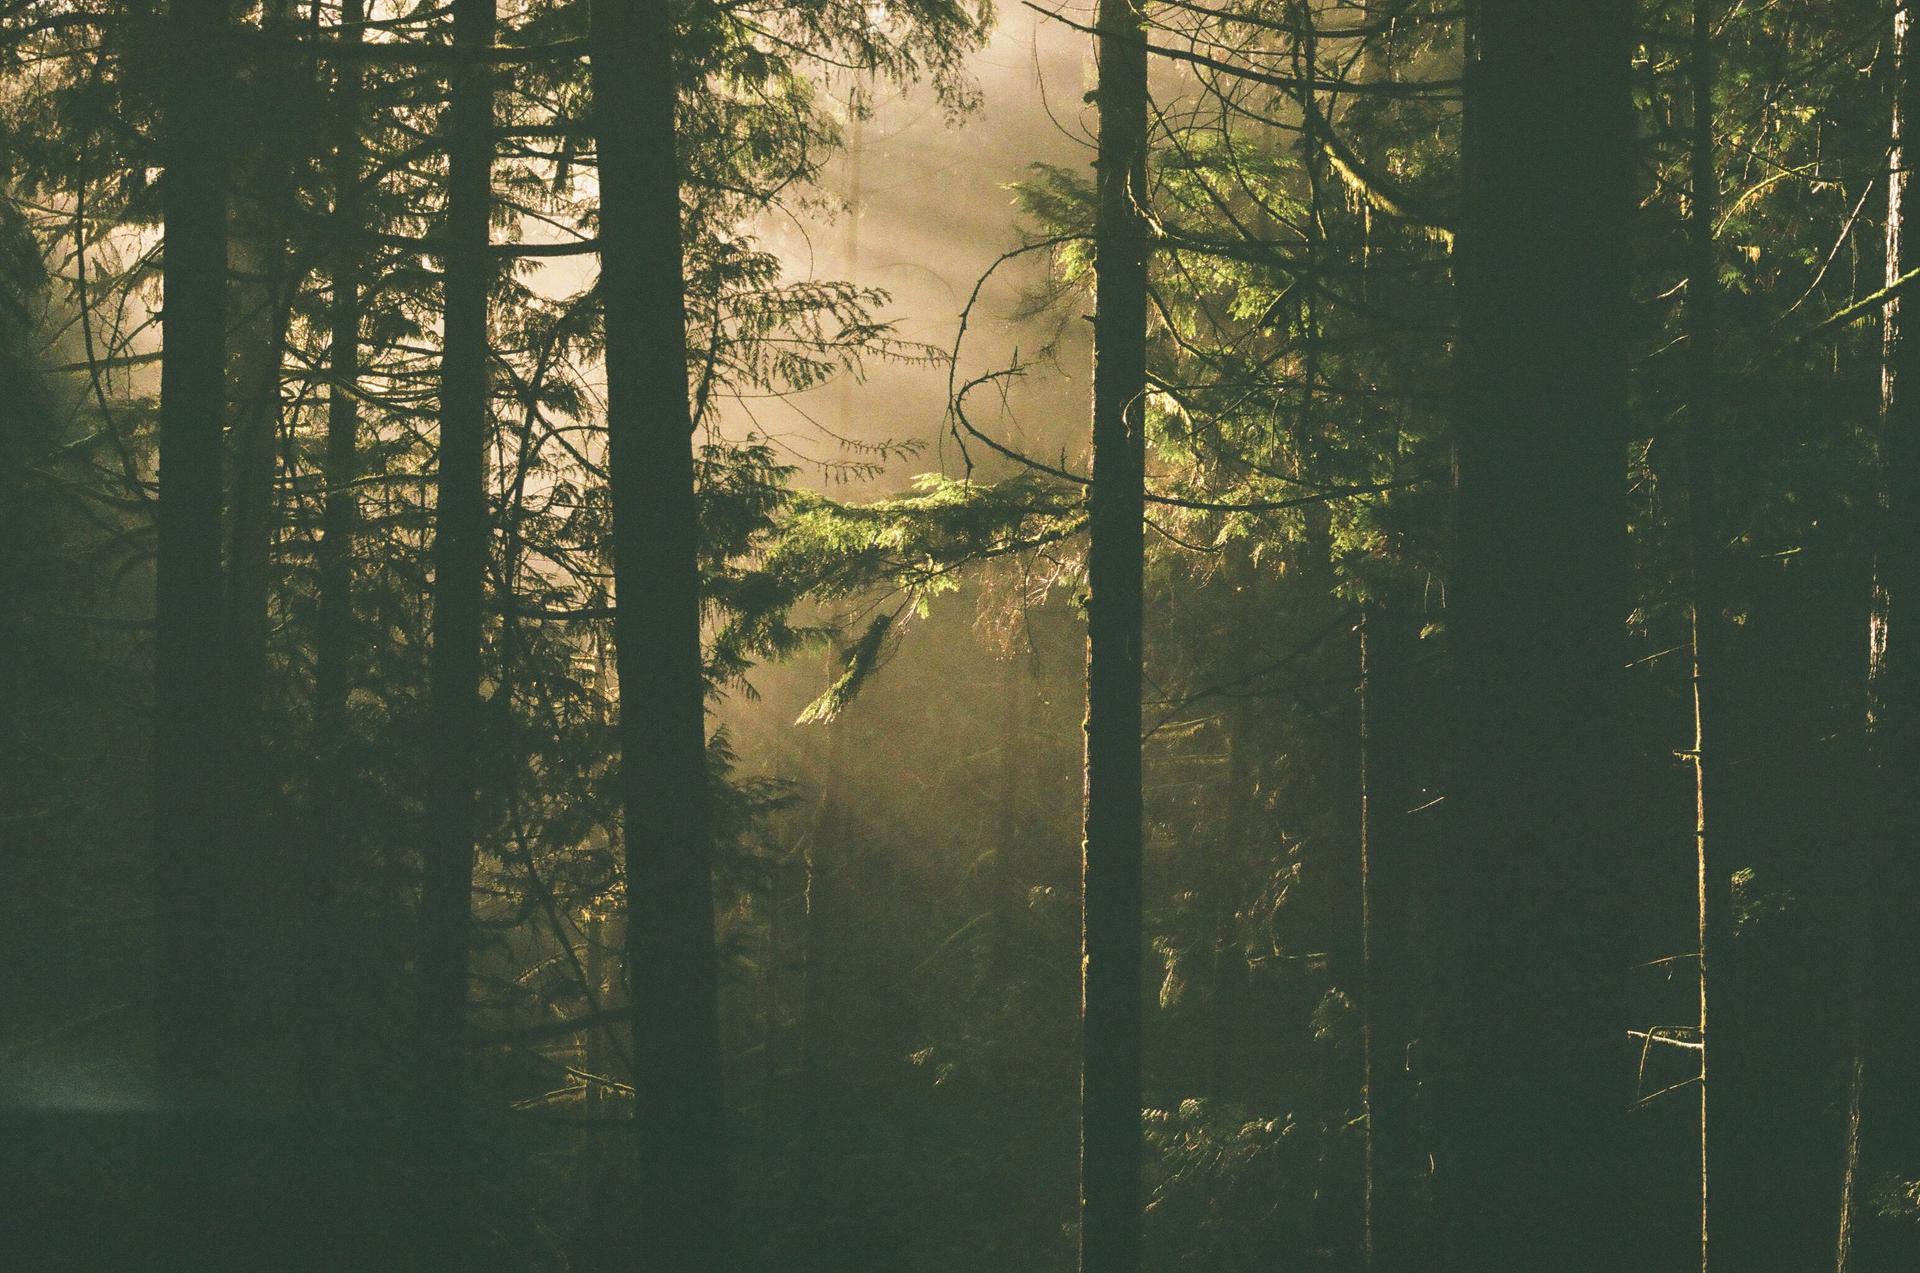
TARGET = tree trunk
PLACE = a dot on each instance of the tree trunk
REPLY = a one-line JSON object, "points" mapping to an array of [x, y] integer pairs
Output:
{"points": [[1341, 859], [1535, 1134], [1111, 939], [333, 978], [1704, 541], [1395, 1151], [681, 1191], [193, 903], [1884, 1137], [261, 283], [459, 578], [259, 305], [334, 629]]}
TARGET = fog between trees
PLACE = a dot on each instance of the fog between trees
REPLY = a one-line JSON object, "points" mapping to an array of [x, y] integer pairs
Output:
{"points": [[827, 636]]}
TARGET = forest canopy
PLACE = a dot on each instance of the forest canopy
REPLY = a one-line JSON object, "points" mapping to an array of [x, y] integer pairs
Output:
{"points": [[824, 636]]}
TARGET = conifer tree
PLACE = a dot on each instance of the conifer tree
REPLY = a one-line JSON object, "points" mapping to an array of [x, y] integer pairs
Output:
{"points": [[1883, 1152], [1533, 1152], [681, 1189], [1111, 906], [460, 552], [192, 868]]}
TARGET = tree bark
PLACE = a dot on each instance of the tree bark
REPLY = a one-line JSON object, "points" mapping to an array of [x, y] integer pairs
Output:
{"points": [[1884, 1135], [460, 548], [681, 1190], [259, 308], [334, 629], [194, 906], [1705, 546], [333, 979], [1395, 1152], [1111, 939], [260, 295], [1534, 1153]]}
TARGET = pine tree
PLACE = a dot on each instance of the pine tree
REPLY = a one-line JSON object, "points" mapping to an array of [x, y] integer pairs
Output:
{"points": [[1111, 906], [326, 862], [460, 551], [1884, 1136], [1704, 551], [1395, 1149], [681, 1190], [1533, 1152], [192, 868]]}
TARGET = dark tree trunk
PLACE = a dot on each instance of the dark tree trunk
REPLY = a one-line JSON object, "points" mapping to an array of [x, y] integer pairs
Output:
{"points": [[334, 629], [332, 972], [681, 1191], [459, 578], [1395, 1148], [1340, 861], [261, 283], [194, 907], [334, 979], [1884, 1138], [1111, 941], [1342, 858], [1536, 1068], [1705, 540], [259, 305]]}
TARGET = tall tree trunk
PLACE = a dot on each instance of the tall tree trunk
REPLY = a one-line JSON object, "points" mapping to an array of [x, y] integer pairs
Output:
{"points": [[261, 211], [1884, 1135], [193, 904], [1395, 1153], [1705, 540], [459, 579], [1535, 1082], [332, 979], [681, 1190], [259, 304], [1341, 860], [325, 863], [1111, 939]]}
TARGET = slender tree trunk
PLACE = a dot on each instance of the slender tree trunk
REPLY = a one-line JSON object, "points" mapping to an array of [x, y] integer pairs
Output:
{"points": [[1883, 1147], [459, 579], [1535, 1134], [1111, 940], [332, 979], [259, 305], [261, 282], [1704, 549], [1395, 1154], [681, 1192], [1344, 858], [334, 639], [1341, 861], [193, 904]]}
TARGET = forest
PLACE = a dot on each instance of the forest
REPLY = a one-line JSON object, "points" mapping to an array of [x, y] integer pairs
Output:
{"points": [[839, 636]]}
